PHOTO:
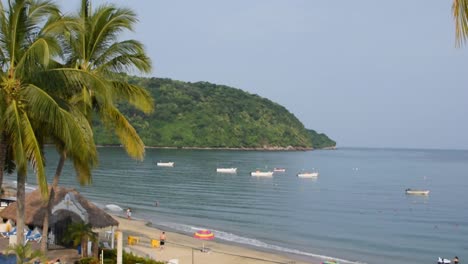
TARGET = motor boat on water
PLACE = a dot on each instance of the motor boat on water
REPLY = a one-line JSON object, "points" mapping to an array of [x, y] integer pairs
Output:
{"points": [[416, 192], [308, 174], [165, 164], [279, 170], [226, 170], [443, 261], [262, 173]]}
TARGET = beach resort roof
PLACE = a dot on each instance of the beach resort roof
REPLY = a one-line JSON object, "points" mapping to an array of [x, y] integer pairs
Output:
{"points": [[67, 203]]}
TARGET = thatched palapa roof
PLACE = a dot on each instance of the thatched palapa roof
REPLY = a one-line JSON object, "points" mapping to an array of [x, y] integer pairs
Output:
{"points": [[67, 201]]}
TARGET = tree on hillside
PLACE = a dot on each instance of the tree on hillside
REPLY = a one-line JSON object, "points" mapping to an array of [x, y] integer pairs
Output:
{"points": [[460, 15]]}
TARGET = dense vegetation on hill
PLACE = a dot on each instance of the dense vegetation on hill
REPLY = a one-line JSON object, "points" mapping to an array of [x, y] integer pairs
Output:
{"points": [[207, 115]]}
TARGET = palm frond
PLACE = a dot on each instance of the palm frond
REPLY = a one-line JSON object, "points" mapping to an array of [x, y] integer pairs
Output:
{"points": [[80, 78], [460, 15], [45, 110], [12, 127], [124, 56], [33, 153], [128, 136], [38, 52], [105, 25], [40, 9], [135, 95]]}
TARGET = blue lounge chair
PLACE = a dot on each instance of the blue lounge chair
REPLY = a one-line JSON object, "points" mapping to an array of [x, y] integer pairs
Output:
{"points": [[34, 237], [28, 233]]}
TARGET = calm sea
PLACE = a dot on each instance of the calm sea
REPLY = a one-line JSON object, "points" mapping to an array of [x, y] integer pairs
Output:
{"points": [[356, 210]]}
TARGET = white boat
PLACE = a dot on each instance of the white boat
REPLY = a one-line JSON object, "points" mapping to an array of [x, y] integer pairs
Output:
{"points": [[261, 173], [417, 192], [165, 164], [226, 170], [279, 170], [308, 174]]}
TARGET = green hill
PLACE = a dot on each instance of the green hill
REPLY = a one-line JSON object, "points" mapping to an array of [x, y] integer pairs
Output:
{"points": [[207, 115]]}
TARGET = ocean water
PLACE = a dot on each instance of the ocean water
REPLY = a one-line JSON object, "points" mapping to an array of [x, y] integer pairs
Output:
{"points": [[355, 211]]}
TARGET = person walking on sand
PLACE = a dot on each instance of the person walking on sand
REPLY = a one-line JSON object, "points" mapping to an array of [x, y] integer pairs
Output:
{"points": [[129, 214], [162, 240]]}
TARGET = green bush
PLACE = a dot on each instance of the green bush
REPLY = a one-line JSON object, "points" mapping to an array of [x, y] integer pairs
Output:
{"points": [[110, 257], [87, 261]]}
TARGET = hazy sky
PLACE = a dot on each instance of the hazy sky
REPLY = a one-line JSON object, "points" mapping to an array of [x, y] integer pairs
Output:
{"points": [[367, 73]]}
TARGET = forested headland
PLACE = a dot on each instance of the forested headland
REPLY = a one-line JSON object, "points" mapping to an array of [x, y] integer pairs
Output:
{"points": [[206, 115]]}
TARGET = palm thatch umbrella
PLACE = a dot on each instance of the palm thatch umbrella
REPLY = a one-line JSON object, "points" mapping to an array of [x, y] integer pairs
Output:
{"points": [[68, 203]]}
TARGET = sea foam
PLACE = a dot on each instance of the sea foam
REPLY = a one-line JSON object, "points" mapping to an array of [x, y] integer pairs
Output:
{"points": [[113, 208]]}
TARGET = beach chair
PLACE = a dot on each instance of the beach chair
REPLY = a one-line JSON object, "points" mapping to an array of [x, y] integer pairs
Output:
{"points": [[34, 237], [27, 233]]}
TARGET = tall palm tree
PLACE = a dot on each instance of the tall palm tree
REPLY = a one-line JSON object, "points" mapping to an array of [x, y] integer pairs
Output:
{"points": [[460, 15], [27, 44], [97, 52], [97, 56], [79, 234]]}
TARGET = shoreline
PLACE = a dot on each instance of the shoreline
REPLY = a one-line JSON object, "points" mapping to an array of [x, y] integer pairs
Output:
{"points": [[289, 148], [182, 246]]}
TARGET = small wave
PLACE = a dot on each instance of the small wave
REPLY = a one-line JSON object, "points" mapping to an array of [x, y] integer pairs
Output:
{"points": [[13, 184], [251, 242], [114, 208]]}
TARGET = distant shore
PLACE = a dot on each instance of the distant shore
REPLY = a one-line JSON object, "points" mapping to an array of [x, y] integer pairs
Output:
{"points": [[289, 148]]}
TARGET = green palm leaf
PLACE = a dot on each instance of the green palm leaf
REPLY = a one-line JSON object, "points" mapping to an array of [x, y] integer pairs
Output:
{"points": [[460, 15]]}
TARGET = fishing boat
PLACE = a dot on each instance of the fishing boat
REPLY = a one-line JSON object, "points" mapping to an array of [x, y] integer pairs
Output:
{"points": [[416, 192], [308, 174], [261, 173], [279, 170], [165, 164], [226, 170]]}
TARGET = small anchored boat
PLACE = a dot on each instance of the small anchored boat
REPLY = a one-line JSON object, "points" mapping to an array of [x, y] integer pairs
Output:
{"points": [[416, 192], [308, 175], [165, 164], [279, 170], [226, 170], [262, 173]]}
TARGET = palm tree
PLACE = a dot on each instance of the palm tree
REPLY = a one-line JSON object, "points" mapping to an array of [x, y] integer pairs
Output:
{"points": [[97, 52], [99, 58], [27, 44], [80, 233], [460, 15]]}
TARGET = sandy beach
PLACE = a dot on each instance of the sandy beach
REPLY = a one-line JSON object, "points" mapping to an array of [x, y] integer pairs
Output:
{"points": [[187, 249]]}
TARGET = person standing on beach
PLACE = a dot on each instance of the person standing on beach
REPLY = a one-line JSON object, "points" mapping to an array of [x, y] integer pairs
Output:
{"points": [[129, 214], [162, 240]]}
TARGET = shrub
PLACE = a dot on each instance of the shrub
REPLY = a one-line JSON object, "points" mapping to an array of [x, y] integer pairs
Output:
{"points": [[110, 257]]}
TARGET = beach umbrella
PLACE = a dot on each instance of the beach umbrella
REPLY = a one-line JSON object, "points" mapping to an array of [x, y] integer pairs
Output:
{"points": [[204, 234]]}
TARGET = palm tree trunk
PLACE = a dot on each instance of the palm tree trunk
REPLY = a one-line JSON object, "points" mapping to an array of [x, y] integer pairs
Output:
{"points": [[95, 248], [3, 146], [84, 248], [45, 225], [20, 202]]}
